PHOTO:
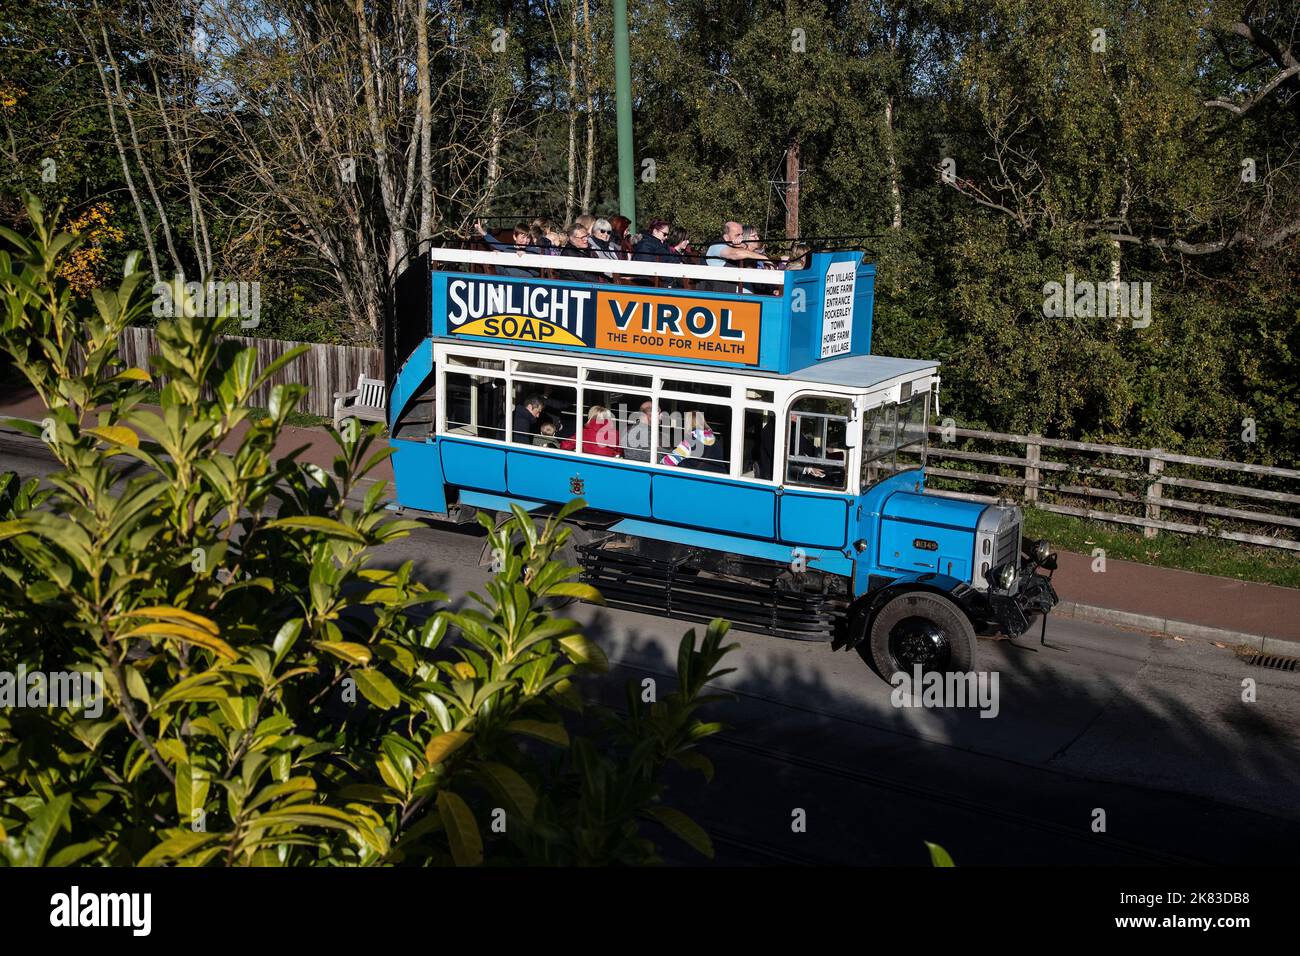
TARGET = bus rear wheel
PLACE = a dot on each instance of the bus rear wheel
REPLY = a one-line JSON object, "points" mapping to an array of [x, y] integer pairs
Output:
{"points": [[921, 628]]}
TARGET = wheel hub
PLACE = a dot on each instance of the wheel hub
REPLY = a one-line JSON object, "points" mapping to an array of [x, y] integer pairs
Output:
{"points": [[918, 640]]}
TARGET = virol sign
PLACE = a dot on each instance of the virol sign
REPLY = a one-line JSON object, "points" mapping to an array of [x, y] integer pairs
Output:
{"points": [[680, 326]]}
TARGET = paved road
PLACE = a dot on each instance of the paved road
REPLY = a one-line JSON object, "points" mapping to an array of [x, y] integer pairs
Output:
{"points": [[1152, 732]]}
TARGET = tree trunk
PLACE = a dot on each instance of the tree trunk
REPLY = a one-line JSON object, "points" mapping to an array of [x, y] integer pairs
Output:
{"points": [[891, 154], [146, 229], [588, 63], [425, 231], [494, 157], [379, 143], [163, 220], [570, 194]]}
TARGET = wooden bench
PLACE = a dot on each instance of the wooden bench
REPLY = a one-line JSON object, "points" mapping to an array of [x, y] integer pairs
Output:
{"points": [[365, 402]]}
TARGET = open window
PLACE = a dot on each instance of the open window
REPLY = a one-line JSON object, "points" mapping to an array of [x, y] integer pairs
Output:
{"points": [[817, 449], [545, 414], [631, 415], [694, 435], [476, 406]]}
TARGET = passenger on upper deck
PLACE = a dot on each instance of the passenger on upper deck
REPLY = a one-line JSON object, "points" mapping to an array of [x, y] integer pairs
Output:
{"points": [[679, 241], [798, 257], [579, 246], [618, 234], [751, 240], [731, 248], [602, 240], [520, 247], [546, 236], [652, 247], [602, 245], [729, 251]]}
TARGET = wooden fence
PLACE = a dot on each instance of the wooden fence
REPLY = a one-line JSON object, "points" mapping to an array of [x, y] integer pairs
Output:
{"points": [[325, 369], [1130, 486]]}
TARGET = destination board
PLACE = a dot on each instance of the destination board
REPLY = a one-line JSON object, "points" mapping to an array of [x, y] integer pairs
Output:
{"points": [[647, 322], [837, 309]]}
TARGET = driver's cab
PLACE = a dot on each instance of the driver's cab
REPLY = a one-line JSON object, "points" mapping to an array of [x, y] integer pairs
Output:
{"points": [[842, 443]]}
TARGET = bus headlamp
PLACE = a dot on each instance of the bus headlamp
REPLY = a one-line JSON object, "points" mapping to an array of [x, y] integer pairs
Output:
{"points": [[1043, 555], [1006, 576]]}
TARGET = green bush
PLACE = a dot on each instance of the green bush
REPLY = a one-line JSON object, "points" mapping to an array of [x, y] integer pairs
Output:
{"points": [[269, 696]]}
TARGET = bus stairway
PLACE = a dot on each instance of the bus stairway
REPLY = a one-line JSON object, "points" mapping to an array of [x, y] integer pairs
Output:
{"points": [[670, 585]]}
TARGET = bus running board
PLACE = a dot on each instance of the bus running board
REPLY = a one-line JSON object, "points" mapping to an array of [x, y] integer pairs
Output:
{"points": [[670, 587]]}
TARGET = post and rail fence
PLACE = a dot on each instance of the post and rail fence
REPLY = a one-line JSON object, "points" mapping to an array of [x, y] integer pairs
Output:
{"points": [[1128, 486]]}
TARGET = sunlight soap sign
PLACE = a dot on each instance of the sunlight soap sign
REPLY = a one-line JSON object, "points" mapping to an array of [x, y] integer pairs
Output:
{"points": [[837, 309]]}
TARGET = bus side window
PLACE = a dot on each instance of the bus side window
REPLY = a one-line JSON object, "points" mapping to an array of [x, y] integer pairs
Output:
{"points": [[476, 406], [555, 425], [760, 443], [694, 435], [630, 413], [816, 452]]}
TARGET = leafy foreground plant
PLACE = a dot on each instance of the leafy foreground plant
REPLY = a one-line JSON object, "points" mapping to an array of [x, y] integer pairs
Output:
{"points": [[269, 697]]}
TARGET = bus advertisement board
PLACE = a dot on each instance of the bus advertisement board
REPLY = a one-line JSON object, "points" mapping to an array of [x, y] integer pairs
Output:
{"points": [[640, 321]]}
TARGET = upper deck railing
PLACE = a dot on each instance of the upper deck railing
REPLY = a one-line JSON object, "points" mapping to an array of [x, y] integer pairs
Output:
{"points": [[598, 268]]}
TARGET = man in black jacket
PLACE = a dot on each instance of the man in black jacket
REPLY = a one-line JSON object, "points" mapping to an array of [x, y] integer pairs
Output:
{"points": [[527, 419]]}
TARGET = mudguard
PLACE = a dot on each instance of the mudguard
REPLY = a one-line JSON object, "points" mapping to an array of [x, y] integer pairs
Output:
{"points": [[865, 608]]}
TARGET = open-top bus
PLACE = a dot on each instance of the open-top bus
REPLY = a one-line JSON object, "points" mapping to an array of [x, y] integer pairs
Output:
{"points": [[740, 451]]}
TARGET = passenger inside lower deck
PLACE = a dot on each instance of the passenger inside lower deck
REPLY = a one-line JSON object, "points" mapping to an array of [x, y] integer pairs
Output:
{"points": [[599, 435], [545, 437], [668, 422], [817, 449], [688, 438], [528, 419]]}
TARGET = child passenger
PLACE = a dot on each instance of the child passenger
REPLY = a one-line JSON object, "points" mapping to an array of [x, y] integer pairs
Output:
{"points": [[697, 436], [546, 435]]}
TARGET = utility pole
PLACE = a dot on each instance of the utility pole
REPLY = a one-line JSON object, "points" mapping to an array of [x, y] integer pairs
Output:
{"points": [[792, 191], [623, 102]]}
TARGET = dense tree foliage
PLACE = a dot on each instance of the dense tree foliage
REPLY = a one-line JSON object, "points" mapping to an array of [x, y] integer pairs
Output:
{"points": [[980, 149]]}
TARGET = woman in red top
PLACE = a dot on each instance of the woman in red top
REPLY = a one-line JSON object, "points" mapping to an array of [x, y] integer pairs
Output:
{"points": [[599, 435]]}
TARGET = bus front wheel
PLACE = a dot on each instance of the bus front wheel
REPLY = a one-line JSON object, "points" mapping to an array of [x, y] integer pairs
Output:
{"points": [[921, 628]]}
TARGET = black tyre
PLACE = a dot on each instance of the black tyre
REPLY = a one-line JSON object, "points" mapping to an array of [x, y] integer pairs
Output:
{"points": [[920, 627]]}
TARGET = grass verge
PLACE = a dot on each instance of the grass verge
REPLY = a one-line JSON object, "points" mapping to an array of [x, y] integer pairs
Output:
{"points": [[1229, 559]]}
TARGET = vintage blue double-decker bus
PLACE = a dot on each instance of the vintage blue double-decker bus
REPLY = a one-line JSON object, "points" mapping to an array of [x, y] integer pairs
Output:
{"points": [[740, 451]]}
